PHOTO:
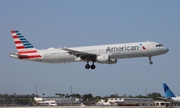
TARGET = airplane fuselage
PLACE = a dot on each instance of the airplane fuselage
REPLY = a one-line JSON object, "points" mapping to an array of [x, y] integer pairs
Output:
{"points": [[175, 99], [115, 51]]}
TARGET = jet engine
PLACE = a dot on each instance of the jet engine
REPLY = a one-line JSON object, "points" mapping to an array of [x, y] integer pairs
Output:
{"points": [[105, 59]]}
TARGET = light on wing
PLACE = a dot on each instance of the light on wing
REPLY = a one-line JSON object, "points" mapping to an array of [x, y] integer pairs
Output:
{"points": [[105, 59]]}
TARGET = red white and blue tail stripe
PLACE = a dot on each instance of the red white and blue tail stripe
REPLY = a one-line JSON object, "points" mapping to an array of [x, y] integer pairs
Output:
{"points": [[24, 48]]}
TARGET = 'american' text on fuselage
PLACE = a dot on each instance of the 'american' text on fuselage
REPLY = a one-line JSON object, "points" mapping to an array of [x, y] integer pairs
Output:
{"points": [[124, 48]]}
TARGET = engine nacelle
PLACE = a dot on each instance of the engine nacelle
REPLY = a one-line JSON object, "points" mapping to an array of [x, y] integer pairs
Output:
{"points": [[105, 59], [77, 59], [112, 61]]}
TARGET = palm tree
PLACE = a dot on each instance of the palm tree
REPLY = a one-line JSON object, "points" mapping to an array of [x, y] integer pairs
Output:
{"points": [[56, 94], [85, 97], [90, 96]]}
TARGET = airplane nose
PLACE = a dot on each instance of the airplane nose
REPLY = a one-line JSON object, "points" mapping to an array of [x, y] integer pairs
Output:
{"points": [[166, 50]]}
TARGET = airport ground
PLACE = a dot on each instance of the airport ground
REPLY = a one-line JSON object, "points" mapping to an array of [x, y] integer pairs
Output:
{"points": [[90, 107]]}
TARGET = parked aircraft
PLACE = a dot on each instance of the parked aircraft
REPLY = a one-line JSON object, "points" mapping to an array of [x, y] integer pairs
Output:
{"points": [[105, 54], [169, 95]]}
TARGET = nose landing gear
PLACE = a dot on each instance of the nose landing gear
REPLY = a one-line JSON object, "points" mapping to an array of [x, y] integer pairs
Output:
{"points": [[150, 60]]}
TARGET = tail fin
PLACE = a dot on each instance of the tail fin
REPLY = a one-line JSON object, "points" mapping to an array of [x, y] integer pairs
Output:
{"points": [[23, 46], [167, 91]]}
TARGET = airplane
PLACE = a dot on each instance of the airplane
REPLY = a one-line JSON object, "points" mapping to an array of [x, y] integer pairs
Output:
{"points": [[169, 95], [105, 54]]}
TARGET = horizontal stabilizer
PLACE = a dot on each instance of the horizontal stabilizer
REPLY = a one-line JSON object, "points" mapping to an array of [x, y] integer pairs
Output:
{"points": [[19, 56], [15, 55]]}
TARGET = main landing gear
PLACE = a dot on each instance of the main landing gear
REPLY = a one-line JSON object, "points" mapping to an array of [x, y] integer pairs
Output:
{"points": [[87, 66], [150, 62]]}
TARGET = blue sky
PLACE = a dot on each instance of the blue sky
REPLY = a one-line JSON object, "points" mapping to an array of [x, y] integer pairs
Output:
{"points": [[67, 23]]}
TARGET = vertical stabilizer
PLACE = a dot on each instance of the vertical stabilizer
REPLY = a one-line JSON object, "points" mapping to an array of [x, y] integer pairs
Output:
{"points": [[24, 48], [167, 91]]}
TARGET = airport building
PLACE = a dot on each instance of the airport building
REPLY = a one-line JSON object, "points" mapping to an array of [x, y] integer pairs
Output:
{"points": [[60, 101], [161, 104], [128, 101], [21, 100]]}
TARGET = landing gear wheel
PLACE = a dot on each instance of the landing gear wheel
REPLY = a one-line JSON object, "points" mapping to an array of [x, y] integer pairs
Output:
{"points": [[87, 66], [150, 62], [93, 66]]}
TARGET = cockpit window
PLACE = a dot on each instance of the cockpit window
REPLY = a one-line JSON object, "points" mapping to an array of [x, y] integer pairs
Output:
{"points": [[159, 45]]}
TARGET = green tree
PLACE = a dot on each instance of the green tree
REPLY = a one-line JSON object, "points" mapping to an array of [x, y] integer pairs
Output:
{"points": [[154, 95], [130, 96], [43, 94], [140, 96], [90, 97], [85, 97], [56, 94], [113, 96], [77, 95], [97, 98], [5, 99]]}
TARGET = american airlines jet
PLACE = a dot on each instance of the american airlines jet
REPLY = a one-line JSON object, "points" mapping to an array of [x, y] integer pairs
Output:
{"points": [[169, 95], [105, 54]]}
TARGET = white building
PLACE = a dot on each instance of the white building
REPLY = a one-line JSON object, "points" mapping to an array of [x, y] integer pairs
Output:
{"points": [[130, 101], [48, 103], [53, 101], [44, 102], [161, 104]]}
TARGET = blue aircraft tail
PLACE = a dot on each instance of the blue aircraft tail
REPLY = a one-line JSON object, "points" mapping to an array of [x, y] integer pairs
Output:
{"points": [[167, 91]]}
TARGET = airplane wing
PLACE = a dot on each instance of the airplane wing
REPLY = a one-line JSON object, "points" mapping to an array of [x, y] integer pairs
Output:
{"points": [[164, 98], [82, 55]]}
